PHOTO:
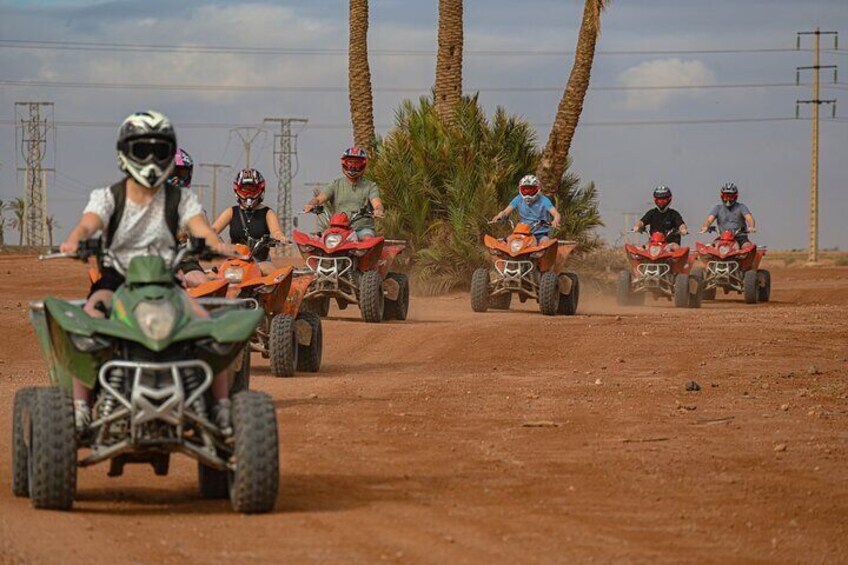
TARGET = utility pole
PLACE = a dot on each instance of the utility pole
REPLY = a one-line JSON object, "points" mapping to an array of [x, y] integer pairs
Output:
{"points": [[816, 101], [285, 146], [248, 135], [36, 120], [215, 167], [201, 189]]}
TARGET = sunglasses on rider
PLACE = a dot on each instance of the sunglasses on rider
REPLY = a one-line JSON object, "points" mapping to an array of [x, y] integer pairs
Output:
{"points": [[151, 149]]}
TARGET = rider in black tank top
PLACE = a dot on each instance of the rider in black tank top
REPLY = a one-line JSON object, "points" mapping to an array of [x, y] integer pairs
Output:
{"points": [[250, 219], [251, 224]]}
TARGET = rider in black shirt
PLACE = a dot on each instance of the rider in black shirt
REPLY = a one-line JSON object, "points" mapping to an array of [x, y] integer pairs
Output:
{"points": [[662, 218]]}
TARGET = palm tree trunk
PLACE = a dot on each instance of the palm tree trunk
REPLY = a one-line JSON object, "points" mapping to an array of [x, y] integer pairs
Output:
{"points": [[448, 89], [359, 76], [555, 156]]}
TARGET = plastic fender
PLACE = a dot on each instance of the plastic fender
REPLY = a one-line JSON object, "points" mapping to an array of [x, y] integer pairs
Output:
{"points": [[550, 260], [216, 287], [759, 258], [681, 264], [494, 244], [372, 260], [304, 239], [297, 289], [229, 327], [387, 258], [275, 301], [563, 250]]}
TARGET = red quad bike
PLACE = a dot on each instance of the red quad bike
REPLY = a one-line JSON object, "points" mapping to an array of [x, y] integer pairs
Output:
{"points": [[353, 271], [733, 268], [532, 270], [289, 336], [660, 270]]}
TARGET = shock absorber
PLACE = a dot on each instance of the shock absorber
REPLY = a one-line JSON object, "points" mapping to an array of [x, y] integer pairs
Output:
{"points": [[190, 383], [116, 381]]}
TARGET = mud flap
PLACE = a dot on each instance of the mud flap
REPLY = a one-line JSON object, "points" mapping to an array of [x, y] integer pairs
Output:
{"points": [[391, 289], [303, 331]]}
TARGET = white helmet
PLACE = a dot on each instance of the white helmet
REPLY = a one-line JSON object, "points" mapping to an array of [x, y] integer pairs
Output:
{"points": [[146, 147], [529, 188]]}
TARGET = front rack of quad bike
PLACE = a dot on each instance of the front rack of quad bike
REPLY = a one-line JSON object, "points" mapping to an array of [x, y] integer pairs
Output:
{"points": [[331, 277], [515, 276]]}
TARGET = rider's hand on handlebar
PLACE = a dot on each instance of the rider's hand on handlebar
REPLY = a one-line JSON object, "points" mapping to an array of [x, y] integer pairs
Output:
{"points": [[71, 246], [379, 213], [308, 208], [555, 224], [752, 230]]}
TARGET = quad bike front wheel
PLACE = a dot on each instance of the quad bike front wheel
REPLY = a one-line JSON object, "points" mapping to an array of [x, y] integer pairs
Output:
{"points": [[681, 291], [549, 293], [52, 457], [254, 484], [282, 346], [21, 430], [751, 287], [309, 356], [568, 302], [501, 301], [372, 301], [705, 294], [764, 294], [398, 308], [696, 286], [480, 290]]}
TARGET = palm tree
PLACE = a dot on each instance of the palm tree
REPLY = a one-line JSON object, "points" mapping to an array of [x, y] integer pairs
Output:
{"points": [[51, 225], [448, 88], [3, 206], [359, 76], [555, 156], [18, 206]]}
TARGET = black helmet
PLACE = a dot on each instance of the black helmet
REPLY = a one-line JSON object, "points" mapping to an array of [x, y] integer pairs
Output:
{"points": [[662, 197], [146, 147]]}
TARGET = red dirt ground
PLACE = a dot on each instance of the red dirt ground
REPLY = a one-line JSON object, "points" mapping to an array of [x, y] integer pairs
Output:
{"points": [[500, 437]]}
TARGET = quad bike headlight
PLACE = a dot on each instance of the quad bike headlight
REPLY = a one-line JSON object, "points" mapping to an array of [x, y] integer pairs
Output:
{"points": [[156, 318], [333, 240], [724, 249], [655, 250], [234, 275], [515, 245]]}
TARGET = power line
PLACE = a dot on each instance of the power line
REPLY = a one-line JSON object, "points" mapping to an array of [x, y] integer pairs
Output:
{"points": [[395, 89], [228, 49]]}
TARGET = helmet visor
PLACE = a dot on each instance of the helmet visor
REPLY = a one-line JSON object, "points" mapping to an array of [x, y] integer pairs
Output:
{"points": [[145, 149], [729, 197], [662, 202], [528, 190], [353, 165]]}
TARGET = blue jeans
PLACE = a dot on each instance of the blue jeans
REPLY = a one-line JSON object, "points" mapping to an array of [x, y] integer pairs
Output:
{"points": [[365, 233]]}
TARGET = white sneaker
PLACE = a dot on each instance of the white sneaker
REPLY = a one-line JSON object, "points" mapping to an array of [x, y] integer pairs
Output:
{"points": [[222, 415], [82, 415]]}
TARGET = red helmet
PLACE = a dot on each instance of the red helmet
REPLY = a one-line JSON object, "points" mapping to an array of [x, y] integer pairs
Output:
{"points": [[354, 161], [249, 187]]}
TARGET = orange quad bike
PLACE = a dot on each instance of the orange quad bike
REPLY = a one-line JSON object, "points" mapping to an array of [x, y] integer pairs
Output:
{"points": [[733, 268], [292, 339], [659, 269], [523, 266]]}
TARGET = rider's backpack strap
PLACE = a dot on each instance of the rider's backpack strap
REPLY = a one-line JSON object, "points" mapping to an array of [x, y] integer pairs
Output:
{"points": [[173, 195], [119, 195]]}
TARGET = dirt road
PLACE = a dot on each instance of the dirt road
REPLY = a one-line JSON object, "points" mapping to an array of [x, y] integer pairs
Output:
{"points": [[501, 437]]}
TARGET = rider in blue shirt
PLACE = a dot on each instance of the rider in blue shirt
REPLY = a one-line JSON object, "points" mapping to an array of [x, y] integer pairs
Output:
{"points": [[534, 209]]}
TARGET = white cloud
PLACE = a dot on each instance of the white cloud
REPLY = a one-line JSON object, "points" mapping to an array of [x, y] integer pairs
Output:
{"points": [[663, 72]]}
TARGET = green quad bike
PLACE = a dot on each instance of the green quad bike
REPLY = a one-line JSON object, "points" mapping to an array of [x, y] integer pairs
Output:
{"points": [[150, 366]]}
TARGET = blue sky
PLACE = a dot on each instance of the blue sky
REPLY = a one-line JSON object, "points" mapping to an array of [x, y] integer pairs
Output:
{"points": [[768, 160]]}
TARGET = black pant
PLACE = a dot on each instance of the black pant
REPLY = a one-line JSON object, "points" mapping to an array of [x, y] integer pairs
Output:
{"points": [[110, 279]]}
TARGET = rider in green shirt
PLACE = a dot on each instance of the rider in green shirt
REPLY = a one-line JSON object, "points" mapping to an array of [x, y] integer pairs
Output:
{"points": [[351, 193]]}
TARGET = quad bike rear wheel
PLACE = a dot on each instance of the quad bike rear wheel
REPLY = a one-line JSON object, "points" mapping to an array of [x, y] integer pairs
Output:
{"points": [[20, 432], [624, 290], [568, 302], [397, 309], [242, 377], [751, 287], [320, 306], [681, 291], [309, 356], [214, 483], [764, 294], [549, 293], [696, 283], [480, 290], [52, 458], [282, 346], [372, 302], [256, 479]]}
